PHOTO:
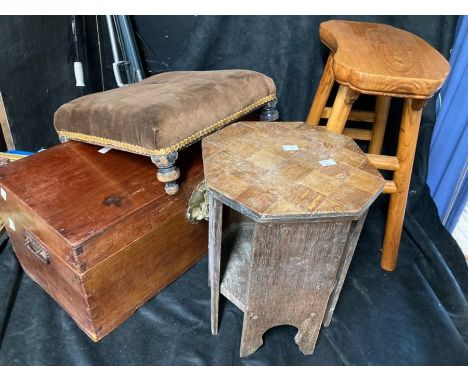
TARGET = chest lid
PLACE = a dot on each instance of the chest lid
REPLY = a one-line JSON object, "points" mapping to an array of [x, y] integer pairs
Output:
{"points": [[86, 196]]}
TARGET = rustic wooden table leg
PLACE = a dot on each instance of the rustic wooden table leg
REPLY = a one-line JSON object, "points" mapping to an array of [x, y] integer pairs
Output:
{"points": [[353, 237], [214, 256], [322, 94], [293, 287], [406, 150], [382, 105], [341, 107]]}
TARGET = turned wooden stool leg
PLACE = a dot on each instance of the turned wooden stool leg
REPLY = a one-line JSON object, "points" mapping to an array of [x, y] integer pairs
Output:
{"points": [[322, 94], [382, 105], [406, 150], [269, 112], [341, 107], [167, 172], [214, 256]]}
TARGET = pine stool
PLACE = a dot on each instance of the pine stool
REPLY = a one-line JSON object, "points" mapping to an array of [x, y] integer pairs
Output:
{"points": [[380, 60]]}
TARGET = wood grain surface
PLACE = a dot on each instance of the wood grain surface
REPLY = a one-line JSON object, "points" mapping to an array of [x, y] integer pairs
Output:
{"points": [[101, 270], [282, 274], [287, 265], [246, 165], [5, 125], [406, 150], [345, 261], [91, 200], [380, 59], [214, 256]]}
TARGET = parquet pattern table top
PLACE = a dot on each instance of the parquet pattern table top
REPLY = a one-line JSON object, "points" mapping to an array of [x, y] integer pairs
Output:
{"points": [[276, 171]]}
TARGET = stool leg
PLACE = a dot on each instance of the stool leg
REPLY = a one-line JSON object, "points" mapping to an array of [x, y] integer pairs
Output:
{"points": [[214, 256], [348, 252], [341, 107], [252, 336], [167, 172], [269, 112], [306, 336], [322, 94], [406, 150], [382, 105]]}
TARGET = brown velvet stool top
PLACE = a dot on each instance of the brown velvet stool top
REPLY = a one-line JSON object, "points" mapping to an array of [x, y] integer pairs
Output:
{"points": [[164, 113]]}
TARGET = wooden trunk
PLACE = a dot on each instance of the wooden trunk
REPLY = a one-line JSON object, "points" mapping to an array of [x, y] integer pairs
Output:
{"points": [[97, 231]]}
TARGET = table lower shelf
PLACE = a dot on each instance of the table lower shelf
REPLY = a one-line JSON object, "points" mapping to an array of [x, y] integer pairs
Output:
{"points": [[235, 260]]}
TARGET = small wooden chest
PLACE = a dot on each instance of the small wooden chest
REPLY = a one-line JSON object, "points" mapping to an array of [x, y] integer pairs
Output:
{"points": [[97, 231]]}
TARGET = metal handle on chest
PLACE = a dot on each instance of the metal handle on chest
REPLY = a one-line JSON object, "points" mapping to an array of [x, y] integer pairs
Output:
{"points": [[35, 247]]}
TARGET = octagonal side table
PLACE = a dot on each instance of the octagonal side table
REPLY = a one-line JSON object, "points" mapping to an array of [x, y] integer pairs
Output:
{"points": [[304, 193]]}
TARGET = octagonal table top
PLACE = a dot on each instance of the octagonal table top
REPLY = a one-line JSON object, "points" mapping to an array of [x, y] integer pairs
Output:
{"points": [[272, 171]]}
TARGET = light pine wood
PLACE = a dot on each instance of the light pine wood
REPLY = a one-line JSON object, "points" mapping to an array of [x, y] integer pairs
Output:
{"points": [[358, 134], [384, 162], [214, 256], [354, 115], [6, 158], [283, 263], [10, 144], [407, 140], [382, 106], [387, 62], [389, 187], [341, 107], [322, 94], [380, 59]]}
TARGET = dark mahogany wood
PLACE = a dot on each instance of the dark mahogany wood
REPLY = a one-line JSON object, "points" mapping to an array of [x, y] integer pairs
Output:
{"points": [[112, 236]]}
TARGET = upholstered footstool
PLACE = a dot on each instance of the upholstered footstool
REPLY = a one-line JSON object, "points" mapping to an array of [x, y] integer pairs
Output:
{"points": [[163, 114]]}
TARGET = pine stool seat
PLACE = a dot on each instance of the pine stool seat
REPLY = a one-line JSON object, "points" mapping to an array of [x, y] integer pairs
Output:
{"points": [[379, 60]]}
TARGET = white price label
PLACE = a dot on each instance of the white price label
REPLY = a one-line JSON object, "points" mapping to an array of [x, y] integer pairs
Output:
{"points": [[105, 150], [11, 224], [327, 162], [290, 147]]}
